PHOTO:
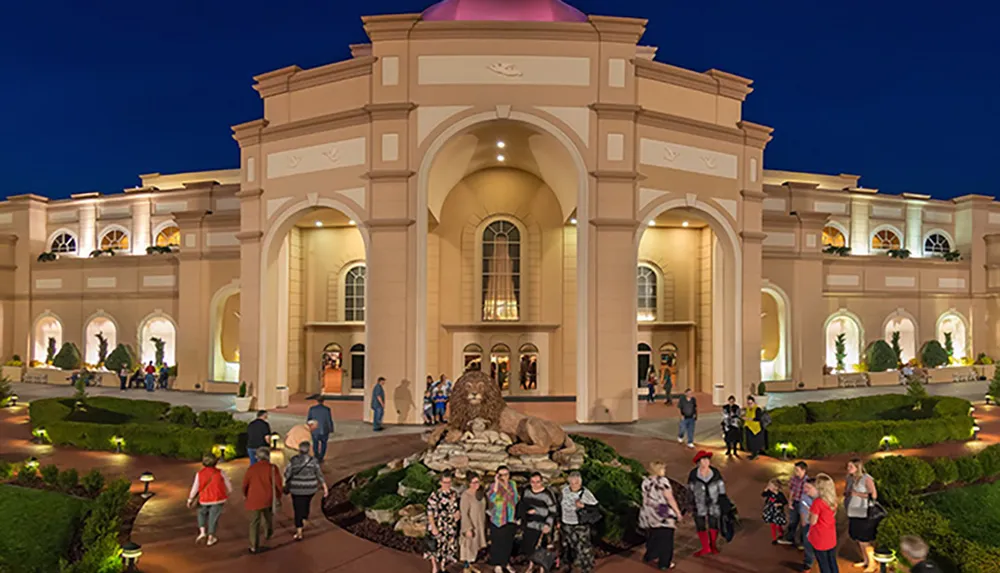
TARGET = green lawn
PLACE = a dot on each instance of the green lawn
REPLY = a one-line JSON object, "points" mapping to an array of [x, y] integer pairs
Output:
{"points": [[38, 527], [972, 511]]}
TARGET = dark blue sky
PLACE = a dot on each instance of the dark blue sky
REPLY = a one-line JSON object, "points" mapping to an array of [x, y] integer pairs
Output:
{"points": [[902, 93]]}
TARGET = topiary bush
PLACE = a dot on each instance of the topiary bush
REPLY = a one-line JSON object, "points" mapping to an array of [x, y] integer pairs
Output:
{"points": [[68, 357], [50, 475], [182, 415], [933, 355], [93, 482], [945, 470], [880, 357], [969, 469], [121, 356], [68, 480]]}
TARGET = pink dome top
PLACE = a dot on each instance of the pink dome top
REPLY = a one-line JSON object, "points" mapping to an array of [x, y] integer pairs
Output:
{"points": [[506, 10]]}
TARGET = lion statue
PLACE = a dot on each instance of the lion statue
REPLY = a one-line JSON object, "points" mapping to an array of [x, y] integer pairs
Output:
{"points": [[475, 395]]}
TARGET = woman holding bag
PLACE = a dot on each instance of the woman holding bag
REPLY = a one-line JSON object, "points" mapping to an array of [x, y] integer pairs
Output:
{"points": [[658, 515], [579, 513], [209, 492], [303, 478], [860, 495]]}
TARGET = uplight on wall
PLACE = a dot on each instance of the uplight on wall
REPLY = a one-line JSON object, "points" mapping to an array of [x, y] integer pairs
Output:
{"points": [[684, 224], [501, 158], [652, 223], [501, 145], [572, 221], [319, 223], [352, 222]]}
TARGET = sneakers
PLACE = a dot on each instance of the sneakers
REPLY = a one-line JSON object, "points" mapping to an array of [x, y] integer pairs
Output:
{"points": [[201, 537], [680, 440], [212, 541], [784, 542], [691, 446]]}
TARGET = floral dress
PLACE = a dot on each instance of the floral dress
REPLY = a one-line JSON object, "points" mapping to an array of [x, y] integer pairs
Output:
{"points": [[442, 509], [774, 508]]}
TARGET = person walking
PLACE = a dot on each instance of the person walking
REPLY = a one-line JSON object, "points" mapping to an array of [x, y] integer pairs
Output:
{"points": [[651, 385], [688, 406], [502, 498], [538, 514], [303, 478], [257, 433], [860, 493], [731, 420], [705, 482], [262, 487], [123, 377], [823, 522], [796, 486], [754, 429], [443, 516], [209, 492], [324, 427], [472, 506], [915, 550], [658, 515], [577, 546], [668, 380], [378, 404], [773, 513], [297, 434]]}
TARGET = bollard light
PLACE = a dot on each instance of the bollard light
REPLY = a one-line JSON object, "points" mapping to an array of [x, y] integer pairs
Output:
{"points": [[887, 442], [131, 552], [146, 478], [31, 463], [118, 442], [275, 441], [988, 398], [784, 447], [41, 435], [975, 430], [884, 557], [13, 400]]}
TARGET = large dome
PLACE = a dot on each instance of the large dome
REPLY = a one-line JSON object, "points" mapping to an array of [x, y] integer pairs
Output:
{"points": [[505, 10]]}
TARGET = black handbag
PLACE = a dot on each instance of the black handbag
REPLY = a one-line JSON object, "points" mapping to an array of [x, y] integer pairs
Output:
{"points": [[430, 543], [588, 514], [876, 512], [543, 556]]}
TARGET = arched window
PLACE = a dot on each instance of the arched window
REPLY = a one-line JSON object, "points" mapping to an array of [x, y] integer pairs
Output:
{"points": [[472, 357], [843, 342], [528, 367], [169, 237], [885, 240], [63, 243], [936, 244], [114, 239], [646, 281], [501, 271], [354, 294], [833, 237], [951, 325]]}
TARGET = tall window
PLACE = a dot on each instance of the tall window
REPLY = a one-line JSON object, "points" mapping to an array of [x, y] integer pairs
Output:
{"points": [[64, 243], [885, 240], [936, 244], [169, 237], [646, 280], [833, 237], [501, 271], [354, 294], [115, 239]]}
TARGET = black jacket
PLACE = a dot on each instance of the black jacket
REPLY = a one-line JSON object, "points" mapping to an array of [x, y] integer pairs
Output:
{"points": [[257, 432]]}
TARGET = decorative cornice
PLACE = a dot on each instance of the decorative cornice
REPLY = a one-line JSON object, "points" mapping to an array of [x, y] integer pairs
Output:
{"points": [[312, 125], [248, 133], [375, 224], [394, 110], [293, 78], [389, 175], [690, 126], [756, 135], [500, 30], [753, 195], [731, 85], [249, 236], [389, 26], [715, 82], [619, 30], [969, 199], [190, 216], [121, 260], [27, 197], [251, 193], [88, 195], [616, 110], [614, 223], [753, 236], [917, 196], [617, 175]]}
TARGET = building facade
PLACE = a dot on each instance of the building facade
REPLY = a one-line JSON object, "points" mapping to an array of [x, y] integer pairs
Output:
{"points": [[515, 187]]}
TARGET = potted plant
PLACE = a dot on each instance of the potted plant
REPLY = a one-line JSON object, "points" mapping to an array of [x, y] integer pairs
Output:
{"points": [[761, 397], [47, 257], [839, 251], [242, 400], [13, 368], [899, 253]]}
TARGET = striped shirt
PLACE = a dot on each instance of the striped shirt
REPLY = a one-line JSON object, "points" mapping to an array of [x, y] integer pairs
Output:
{"points": [[303, 475], [544, 505]]}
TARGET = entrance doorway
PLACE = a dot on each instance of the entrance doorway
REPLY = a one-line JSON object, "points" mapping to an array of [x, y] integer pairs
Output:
{"points": [[645, 360], [358, 367], [332, 374], [500, 366]]}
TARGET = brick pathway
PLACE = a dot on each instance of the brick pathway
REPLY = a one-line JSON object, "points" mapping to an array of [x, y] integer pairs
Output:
{"points": [[166, 528]]}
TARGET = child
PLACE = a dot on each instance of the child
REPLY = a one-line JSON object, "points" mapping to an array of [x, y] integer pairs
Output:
{"points": [[428, 407], [774, 509], [440, 403], [651, 385]]}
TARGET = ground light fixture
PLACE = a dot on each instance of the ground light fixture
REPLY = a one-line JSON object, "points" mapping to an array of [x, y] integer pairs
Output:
{"points": [[975, 430], [783, 448], [131, 552], [275, 441], [146, 478], [887, 442], [988, 399], [13, 400], [31, 463], [118, 442], [884, 557], [41, 435]]}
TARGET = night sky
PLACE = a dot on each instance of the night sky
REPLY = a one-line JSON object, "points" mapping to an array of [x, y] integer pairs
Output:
{"points": [[97, 92]]}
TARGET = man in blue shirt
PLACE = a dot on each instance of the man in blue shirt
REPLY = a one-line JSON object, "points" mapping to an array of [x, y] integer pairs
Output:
{"points": [[324, 427], [378, 404]]}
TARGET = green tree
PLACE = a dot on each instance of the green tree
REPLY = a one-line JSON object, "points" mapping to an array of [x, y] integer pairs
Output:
{"points": [[160, 346], [121, 356], [68, 357], [50, 352], [880, 357], [896, 348], [840, 347], [102, 348], [932, 354], [949, 347], [994, 390]]}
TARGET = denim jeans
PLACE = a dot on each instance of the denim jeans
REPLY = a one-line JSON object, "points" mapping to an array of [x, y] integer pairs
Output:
{"points": [[793, 530], [319, 445], [208, 516], [827, 561], [252, 454], [377, 414], [686, 428], [810, 556]]}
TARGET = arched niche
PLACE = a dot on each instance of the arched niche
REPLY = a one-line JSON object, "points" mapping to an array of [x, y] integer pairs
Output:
{"points": [[225, 334], [47, 326], [99, 324], [158, 325], [846, 324], [775, 358], [953, 323], [902, 322]]}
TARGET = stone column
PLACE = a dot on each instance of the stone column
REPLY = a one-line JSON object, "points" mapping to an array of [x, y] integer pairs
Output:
{"points": [[914, 228], [88, 230], [860, 242], [140, 226], [192, 322]]}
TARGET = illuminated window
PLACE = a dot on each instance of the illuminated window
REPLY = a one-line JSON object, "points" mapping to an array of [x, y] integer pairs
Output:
{"points": [[501, 271], [936, 244], [646, 281], [833, 237], [115, 239], [64, 243], [169, 237], [354, 294], [885, 240]]}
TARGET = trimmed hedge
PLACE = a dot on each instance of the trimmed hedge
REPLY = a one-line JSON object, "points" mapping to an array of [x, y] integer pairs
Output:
{"points": [[857, 425], [880, 357], [932, 354], [146, 427]]}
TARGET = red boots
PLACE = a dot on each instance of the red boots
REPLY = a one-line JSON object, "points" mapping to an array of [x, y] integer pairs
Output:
{"points": [[713, 534], [706, 544]]}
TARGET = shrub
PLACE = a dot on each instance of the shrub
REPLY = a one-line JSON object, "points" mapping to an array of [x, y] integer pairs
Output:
{"points": [[215, 420], [989, 460], [121, 356], [6, 470], [93, 482], [969, 469], [50, 475], [896, 477], [915, 388], [182, 415], [830, 438], [994, 390], [26, 476], [366, 496], [983, 359], [68, 480], [418, 477], [880, 357], [100, 532], [945, 470], [68, 357], [932, 354], [6, 391]]}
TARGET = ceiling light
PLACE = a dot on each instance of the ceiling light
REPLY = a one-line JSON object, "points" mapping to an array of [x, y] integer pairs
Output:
{"points": [[572, 221], [684, 224], [652, 223], [501, 145], [319, 223], [501, 158], [352, 222]]}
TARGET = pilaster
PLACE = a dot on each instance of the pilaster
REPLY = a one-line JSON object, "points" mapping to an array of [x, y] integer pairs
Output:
{"points": [[914, 228], [971, 223], [192, 319], [140, 227], [30, 227], [860, 214]]}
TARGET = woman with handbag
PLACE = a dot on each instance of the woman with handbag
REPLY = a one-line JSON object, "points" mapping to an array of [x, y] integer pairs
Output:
{"points": [[860, 495], [709, 490], [303, 478], [579, 514], [442, 521], [209, 492], [473, 509], [658, 515]]}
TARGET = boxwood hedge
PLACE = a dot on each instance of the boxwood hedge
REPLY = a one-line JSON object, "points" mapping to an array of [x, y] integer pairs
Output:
{"points": [[858, 425], [145, 426]]}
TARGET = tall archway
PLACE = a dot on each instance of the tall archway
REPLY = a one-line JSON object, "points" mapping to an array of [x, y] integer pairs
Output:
{"points": [[158, 325], [906, 325], [847, 324], [104, 325], [47, 326], [724, 259], [569, 146], [952, 324], [775, 358], [301, 242], [224, 334]]}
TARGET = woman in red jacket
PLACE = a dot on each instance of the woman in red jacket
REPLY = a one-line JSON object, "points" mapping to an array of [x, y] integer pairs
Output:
{"points": [[209, 492]]}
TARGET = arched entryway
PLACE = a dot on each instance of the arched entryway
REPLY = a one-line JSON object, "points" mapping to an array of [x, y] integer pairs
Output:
{"points": [[224, 334], [775, 337]]}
